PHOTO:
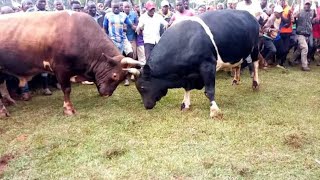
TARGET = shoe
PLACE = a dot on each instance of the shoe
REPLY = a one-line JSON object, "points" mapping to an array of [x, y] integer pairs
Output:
{"points": [[132, 78], [251, 74], [26, 96], [281, 67], [126, 82], [47, 92], [87, 82], [305, 69]]}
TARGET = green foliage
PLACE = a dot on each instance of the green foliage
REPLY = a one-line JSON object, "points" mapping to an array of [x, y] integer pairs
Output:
{"points": [[270, 134]]}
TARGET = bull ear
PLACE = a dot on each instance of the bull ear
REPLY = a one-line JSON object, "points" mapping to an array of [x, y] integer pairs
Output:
{"points": [[109, 59]]}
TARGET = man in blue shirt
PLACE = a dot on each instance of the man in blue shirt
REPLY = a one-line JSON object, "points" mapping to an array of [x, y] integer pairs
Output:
{"points": [[113, 24], [131, 34]]}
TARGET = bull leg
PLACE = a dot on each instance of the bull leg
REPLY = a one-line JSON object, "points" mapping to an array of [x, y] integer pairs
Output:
{"points": [[5, 94], [208, 72], [186, 101], [255, 83], [64, 80], [3, 111], [236, 77], [255, 60]]}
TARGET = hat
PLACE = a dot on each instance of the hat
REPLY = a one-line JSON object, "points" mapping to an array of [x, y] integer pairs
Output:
{"points": [[150, 5], [164, 3], [278, 9], [307, 2], [232, 1]]}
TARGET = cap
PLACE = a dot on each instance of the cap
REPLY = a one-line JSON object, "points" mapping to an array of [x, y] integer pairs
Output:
{"points": [[164, 3], [278, 9], [150, 5], [232, 1], [307, 2]]}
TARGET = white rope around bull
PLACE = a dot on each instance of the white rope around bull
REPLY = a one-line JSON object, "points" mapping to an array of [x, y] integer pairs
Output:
{"points": [[208, 32], [220, 63]]}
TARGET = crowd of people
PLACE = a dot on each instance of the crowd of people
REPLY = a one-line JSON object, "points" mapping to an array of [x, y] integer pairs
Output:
{"points": [[136, 29]]}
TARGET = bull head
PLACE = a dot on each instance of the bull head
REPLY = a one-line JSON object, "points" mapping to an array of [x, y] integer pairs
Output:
{"points": [[151, 89], [109, 73]]}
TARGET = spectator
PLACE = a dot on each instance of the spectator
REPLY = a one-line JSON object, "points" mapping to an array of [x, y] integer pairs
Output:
{"points": [[150, 24], [252, 7], [41, 6], [58, 5], [92, 11], [220, 6], [181, 13], [6, 10], [285, 31], [264, 6], [201, 9], [316, 33], [304, 21], [100, 7], [76, 6], [232, 4], [271, 33], [165, 13], [26, 4], [131, 34]]}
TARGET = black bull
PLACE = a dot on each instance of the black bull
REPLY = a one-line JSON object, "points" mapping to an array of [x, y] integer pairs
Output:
{"points": [[186, 56]]}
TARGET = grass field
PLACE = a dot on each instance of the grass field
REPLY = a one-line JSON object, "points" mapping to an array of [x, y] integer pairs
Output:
{"points": [[270, 134]]}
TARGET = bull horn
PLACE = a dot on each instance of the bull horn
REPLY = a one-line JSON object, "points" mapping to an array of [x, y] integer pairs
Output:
{"points": [[130, 61], [133, 71]]}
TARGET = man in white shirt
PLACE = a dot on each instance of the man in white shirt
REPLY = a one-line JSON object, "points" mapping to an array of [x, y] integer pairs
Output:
{"points": [[150, 23], [253, 7]]}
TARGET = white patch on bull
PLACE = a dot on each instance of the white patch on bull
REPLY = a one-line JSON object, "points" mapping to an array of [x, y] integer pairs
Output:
{"points": [[214, 109], [186, 100], [73, 79], [46, 64], [220, 63]]}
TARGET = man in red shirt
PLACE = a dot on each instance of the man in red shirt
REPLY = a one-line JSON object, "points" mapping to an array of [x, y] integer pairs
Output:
{"points": [[181, 13]]}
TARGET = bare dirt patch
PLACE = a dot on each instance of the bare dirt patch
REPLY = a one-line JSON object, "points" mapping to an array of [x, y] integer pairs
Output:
{"points": [[295, 140], [4, 161], [22, 137], [112, 153]]}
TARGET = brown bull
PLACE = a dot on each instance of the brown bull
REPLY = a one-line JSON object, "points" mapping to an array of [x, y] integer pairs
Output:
{"points": [[66, 44]]}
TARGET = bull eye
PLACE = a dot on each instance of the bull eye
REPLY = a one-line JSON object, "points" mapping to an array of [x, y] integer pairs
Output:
{"points": [[114, 76]]}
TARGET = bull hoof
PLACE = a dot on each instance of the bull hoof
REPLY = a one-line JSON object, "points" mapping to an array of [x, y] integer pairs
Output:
{"points": [[255, 85], [235, 82], [216, 114], [9, 101], [4, 112], [69, 112]]}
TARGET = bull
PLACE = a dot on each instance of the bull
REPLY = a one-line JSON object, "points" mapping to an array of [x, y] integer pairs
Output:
{"points": [[67, 44], [199, 47]]}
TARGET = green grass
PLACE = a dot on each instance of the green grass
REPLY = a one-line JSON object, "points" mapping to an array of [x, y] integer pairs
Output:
{"points": [[270, 134]]}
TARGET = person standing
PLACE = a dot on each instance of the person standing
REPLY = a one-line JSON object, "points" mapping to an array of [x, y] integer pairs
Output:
{"points": [[165, 13], [41, 6], [304, 29], [150, 23], [181, 13]]}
